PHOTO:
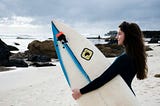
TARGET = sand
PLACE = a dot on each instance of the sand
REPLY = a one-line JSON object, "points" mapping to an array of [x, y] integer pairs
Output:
{"points": [[46, 86]]}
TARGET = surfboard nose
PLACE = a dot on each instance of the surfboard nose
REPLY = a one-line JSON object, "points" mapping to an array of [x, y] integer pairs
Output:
{"points": [[55, 21]]}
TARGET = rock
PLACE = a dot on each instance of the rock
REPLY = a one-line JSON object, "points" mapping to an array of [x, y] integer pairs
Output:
{"points": [[147, 48], [110, 50], [50, 38], [20, 55], [153, 40], [17, 63], [2, 68], [113, 41], [42, 48], [157, 75], [12, 48], [16, 43], [4, 53], [39, 58], [42, 64]]}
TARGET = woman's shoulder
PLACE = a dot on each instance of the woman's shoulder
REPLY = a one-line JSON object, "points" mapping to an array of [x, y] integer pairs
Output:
{"points": [[124, 57]]}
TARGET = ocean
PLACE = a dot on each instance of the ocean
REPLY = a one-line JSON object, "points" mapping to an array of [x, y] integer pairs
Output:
{"points": [[24, 40]]}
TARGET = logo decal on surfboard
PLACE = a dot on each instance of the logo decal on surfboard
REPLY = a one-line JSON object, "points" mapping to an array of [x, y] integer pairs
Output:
{"points": [[87, 54]]}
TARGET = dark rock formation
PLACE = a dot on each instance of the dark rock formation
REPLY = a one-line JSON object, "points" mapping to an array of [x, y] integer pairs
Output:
{"points": [[17, 63], [147, 48], [2, 68], [20, 55], [110, 50], [153, 40], [12, 48], [42, 48], [42, 64], [16, 43], [39, 58], [4, 53], [157, 75]]}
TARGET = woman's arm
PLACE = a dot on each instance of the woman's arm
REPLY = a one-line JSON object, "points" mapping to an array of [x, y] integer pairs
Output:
{"points": [[109, 74]]}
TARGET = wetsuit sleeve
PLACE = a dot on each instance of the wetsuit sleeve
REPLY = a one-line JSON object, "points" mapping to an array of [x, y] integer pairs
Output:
{"points": [[110, 73]]}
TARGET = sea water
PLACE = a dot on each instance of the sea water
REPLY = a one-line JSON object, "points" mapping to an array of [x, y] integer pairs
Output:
{"points": [[24, 40]]}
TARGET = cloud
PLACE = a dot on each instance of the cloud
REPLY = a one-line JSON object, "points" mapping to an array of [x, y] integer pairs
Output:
{"points": [[21, 25], [84, 15], [16, 20]]}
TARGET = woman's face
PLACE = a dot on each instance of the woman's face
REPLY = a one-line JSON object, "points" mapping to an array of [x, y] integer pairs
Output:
{"points": [[120, 37]]}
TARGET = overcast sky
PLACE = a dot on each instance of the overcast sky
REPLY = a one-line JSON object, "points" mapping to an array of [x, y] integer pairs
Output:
{"points": [[86, 16]]}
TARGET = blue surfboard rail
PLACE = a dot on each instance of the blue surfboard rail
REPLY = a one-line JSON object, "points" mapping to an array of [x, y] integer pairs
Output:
{"points": [[55, 31], [77, 62], [67, 48]]}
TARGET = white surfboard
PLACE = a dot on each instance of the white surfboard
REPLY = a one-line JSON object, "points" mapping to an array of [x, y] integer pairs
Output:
{"points": [[82, 62]]}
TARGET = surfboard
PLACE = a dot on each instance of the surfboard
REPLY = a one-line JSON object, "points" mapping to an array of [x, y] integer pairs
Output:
{"points": [[81, 62]]}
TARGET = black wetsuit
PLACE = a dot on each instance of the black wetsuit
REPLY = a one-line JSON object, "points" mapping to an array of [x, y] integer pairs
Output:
{"points": [[123, 66]]}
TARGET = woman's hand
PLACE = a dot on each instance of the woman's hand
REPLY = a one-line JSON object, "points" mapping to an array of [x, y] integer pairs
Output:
{"points": [[76, 94]]}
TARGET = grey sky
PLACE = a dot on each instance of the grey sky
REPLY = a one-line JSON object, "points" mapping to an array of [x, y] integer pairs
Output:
{"points": [[86, 16]]}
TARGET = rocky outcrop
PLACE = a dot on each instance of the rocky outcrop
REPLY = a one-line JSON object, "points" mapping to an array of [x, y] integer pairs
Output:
{"points": [[157, 75], [39, 53], [4, 53], [110, 50], [5, 57], [39, 58], [147, 48], [12, 48], [2, 68], [42, 64], [154, 40], [20, 55], [42, 48], [17, 63]]}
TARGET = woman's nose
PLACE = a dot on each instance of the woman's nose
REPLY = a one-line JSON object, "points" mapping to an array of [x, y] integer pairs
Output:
{"points": [[117, 36]]}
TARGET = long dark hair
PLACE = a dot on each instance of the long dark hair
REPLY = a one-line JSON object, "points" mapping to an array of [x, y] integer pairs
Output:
{"points": [[135, 47]]}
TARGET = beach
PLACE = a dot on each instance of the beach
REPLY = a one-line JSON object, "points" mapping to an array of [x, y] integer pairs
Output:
{"points": [[46, 86], [32, 86], [148, 90]]}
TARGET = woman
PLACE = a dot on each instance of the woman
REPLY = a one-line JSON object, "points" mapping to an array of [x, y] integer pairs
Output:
{"points": [[132, 62]]}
